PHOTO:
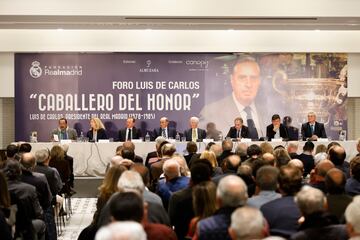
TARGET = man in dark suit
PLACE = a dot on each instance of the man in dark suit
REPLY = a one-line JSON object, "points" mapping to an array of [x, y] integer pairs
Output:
{"points": [[164, 129], [276, 129], [312, 130], [130, 132], [238, 130], [194, 133]]}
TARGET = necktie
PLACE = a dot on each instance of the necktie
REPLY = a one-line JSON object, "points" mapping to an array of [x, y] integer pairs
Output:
{"points": [[65, 135], [251, 125], [312, 129], [193, 137], [129, 134], [163, 132], [237, 134]]}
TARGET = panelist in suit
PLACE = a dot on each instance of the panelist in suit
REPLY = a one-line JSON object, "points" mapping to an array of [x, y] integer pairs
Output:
{"points": [[164, 129], [312, 130], [194, 133], [276, 129], [97, 130], [130, 132], [238, 130], [63, 131]]}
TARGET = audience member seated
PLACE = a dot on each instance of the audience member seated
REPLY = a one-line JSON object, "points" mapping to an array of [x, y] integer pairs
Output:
{"points": [[316, 222], [204, 203], [269, 158], [191, 148], [245, 172], [337, 156], [352, 186], [129, 206], [156, 169], [227, 147], [248, 223], [307, 158], [145, 175], [229, 167], [128, 145], [231, 193], [282, 214], [182, 200], [5, 204], [155, 155], [29, 217], [58, 161], [321, 148], [11, 150], [298, 164], [122, 230], [253, 152], [318, 178], [132, 181], [25, 148], [337, 200], [210, 156], [241, 151], [352, 216], [282, 158], [172, 182], [184, 169], [266, 147], [266, 186], [217, 149], [71, 164], [292, 149]]}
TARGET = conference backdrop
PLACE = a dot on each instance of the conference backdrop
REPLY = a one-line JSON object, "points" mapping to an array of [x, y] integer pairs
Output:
{"points": [[148, 86]]}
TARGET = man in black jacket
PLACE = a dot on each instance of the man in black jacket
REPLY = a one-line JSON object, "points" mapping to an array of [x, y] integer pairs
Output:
{"points": [[276, 129], [312, 130], [130, 132], [238, 130]]}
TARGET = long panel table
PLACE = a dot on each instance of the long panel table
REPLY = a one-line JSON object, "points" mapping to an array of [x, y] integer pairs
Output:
{"points": [[91, 159]]}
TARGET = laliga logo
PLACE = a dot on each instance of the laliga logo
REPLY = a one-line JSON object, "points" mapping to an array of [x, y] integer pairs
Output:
{"points": [[35, 70]]}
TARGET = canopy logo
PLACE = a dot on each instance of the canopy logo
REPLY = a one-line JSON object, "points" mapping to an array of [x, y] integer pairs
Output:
{"points": [[35, 69]]}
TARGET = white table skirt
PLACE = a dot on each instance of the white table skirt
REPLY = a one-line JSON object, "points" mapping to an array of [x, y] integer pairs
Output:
{"points": [[91, 159]]}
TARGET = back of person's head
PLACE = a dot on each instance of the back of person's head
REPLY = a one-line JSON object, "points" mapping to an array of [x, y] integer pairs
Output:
{"points": [[109, 184], [331, 144], [210, 156], [246, 173], [352, 216], [168, 150], [131, 181], [191, 147], [124, 230], [204, 199], [11, 150], [308, 146], [65, 147], [267, 178], [232, 163], [227, 145], [12, 170], [282, 157], [208, 146], [320, 148], [118, 150], [200, 171], [290, 180], [57, 152], [319, 157], [159, 140], [25, 147], [323, 167], [266, 147], [297, 163], [42, 155], [127, 206], [143, 171], [254, 151], [231, 192], [269, 158], [129, 145], [217, 149], [171, 169], [310, 200], [337, 155], [257, 163], [28, 161], [355, 168], [292, 146], [335, 181], [184, 169], [248, 223], [159, 149], [241, 151], [128, 154]]}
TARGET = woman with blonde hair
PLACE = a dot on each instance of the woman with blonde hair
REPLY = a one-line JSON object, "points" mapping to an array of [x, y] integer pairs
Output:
{"points": [[97, 130], [211, 157]]}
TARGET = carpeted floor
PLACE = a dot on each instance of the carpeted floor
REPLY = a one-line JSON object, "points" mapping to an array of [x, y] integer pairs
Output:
{"points": [[83, 211]]}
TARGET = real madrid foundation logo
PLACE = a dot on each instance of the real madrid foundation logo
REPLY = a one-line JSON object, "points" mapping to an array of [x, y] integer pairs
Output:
{"points": [[35, 70]]}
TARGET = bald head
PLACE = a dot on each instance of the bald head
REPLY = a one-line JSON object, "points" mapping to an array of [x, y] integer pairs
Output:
{"points": [[217, 149], [335, 181], [297, 163], [128, 145], [28, 161], [269, 158], [323, 167], [337, 155], [232, 162], [171, 169]]}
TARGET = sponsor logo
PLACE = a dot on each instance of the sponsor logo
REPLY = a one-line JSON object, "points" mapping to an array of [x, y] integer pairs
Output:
{"points": [[175, 62], [148, 68], [54, 70], [35, 69], [198, 63]]}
